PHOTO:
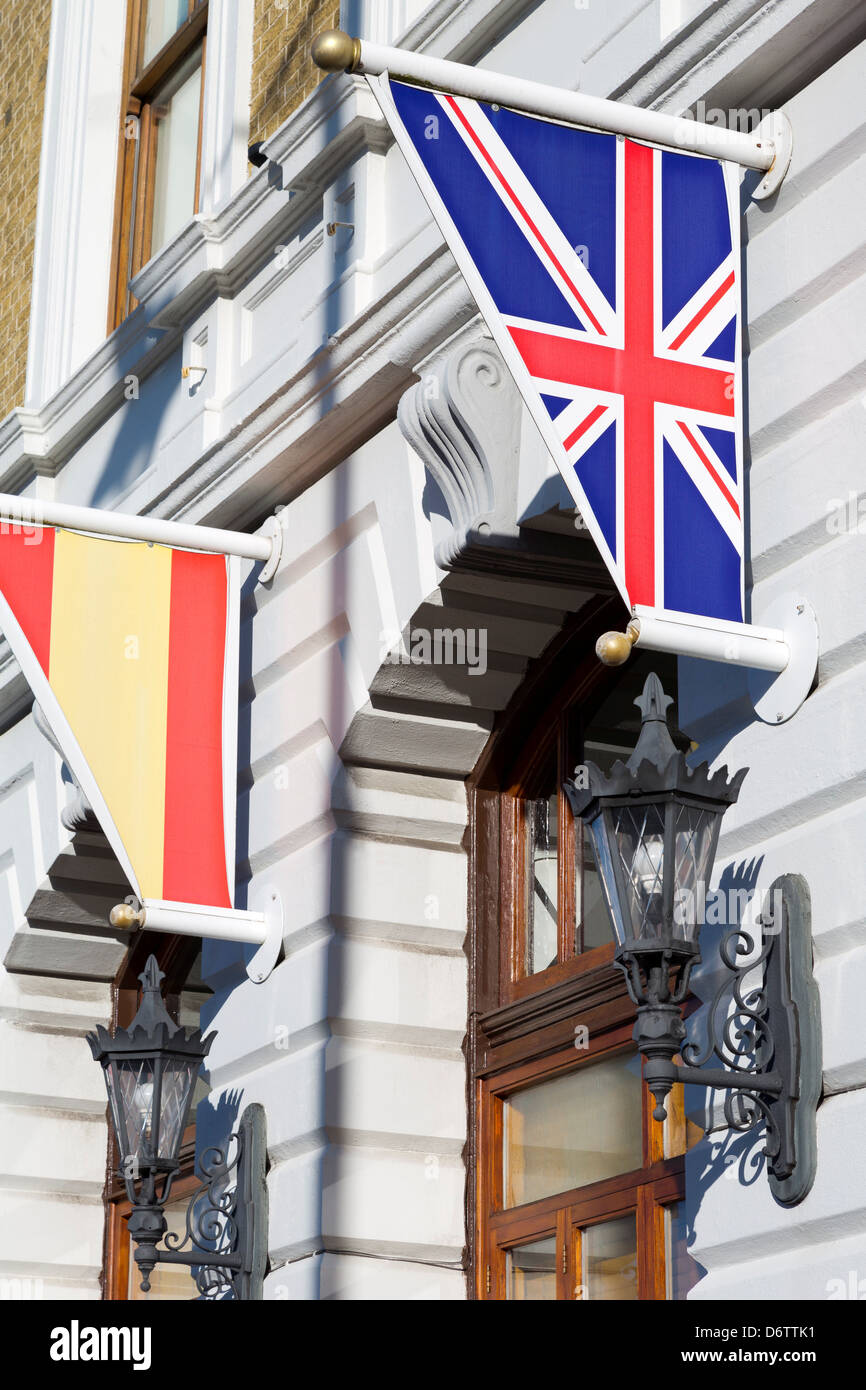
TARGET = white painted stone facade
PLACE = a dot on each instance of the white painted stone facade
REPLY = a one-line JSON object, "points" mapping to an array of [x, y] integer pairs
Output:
{"points": [[352, 766]]}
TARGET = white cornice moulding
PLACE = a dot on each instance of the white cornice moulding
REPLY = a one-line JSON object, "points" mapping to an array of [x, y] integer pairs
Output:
{"points": [[464, 31], [746, 49]]}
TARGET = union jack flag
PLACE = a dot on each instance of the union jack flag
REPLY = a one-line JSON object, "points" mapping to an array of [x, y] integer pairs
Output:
{"points": [[608, 273]]}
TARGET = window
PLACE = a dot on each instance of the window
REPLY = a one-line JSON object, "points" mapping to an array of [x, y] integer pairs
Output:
{"points": [[576, 1193], [160, 148], [180, 960], [582, 1197]]}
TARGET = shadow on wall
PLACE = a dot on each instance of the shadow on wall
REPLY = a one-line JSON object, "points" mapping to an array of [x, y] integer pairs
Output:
{"points": [[215, 1123], [134, 449]]}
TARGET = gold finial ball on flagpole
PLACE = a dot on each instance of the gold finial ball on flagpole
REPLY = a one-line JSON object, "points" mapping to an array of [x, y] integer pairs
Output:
{"points": [[613, 648], [335, 51], [125, 916]]}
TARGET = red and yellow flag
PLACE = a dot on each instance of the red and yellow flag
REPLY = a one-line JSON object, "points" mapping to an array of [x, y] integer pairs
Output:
{"points": [[131, 650]]}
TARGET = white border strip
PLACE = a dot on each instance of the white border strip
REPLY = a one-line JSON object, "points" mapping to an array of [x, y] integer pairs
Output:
{"points": [[231, 678]]}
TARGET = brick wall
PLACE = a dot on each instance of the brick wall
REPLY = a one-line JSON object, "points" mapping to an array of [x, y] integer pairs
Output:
{"points": [[283, 72], [24, 26]]}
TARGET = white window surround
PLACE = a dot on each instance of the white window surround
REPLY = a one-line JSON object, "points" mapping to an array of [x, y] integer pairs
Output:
{"points": [[78, 170], [77, 173], [226, 115]]}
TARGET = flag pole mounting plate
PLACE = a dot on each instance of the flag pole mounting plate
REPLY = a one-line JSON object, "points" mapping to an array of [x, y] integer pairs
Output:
{"points": [[274, 533], [775, 127], [268, 901], [776, 697]]}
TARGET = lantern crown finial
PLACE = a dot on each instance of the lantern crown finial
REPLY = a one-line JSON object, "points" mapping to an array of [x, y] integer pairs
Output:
{"points": [[151, 976], [655, 743], [652, 702], [152, 1011]]}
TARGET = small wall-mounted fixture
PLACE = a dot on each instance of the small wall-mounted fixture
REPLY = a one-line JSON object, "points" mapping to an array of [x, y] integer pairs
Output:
{"points": [[150, 1070], [185, 371], [654, 825], [331, 227]]}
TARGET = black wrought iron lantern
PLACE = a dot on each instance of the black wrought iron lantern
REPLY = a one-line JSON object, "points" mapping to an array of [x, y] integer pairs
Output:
{"points": [[150, 1072], [654, 825]]}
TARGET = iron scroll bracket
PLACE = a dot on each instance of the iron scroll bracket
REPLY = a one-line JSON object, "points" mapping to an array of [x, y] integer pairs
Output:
{"points": [[772, 1075], [226, 1228]]}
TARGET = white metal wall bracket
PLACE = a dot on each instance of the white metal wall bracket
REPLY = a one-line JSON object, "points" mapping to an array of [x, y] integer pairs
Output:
{"points": [[269, 903], [272, 531], [782, 656], [777, 129], [262, 926], [778, 697]]}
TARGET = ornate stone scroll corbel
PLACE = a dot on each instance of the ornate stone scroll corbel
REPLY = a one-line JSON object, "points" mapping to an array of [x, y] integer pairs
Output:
{"points": [[464, 419], [78, 814]]}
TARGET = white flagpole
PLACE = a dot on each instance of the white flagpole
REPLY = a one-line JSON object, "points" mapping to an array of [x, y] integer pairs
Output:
{"points": [[761, 648], [768, 148], [28, 511], [262, 926]]}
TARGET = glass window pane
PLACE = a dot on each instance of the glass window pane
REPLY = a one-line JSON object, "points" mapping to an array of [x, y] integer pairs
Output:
{"points": [[175, 115], [542, 845], [681, 1271], [162, 18], [610, 1260], [604, 755], [572, 1130], [531, 1271]]}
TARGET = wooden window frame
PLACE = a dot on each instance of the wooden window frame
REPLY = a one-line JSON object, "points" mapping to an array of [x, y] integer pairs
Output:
{"points": [[136, 158], [646, 1190], [521, 1027]]}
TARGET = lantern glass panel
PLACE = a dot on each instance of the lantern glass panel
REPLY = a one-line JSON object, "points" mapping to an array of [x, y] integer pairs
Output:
{"points": [[639, 833], [600, 829], [178, 1077], [695, 833], [130, 1093]]}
